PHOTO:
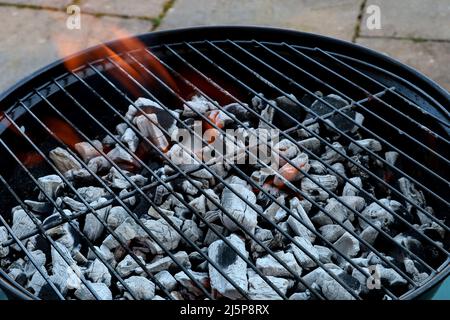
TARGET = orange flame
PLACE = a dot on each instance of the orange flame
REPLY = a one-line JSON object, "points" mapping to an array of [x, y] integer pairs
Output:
{"points": [[118, 54], [63, 131]]}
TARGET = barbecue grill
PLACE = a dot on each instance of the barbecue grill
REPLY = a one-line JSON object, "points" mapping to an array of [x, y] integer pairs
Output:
{"points": [[85, 96]]}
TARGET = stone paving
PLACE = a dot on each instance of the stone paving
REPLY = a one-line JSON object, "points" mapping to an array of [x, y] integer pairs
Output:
{"points": [[32, 32]]}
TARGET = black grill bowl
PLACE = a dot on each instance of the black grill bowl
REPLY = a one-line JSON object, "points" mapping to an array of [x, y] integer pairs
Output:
{"points": [[412, 115]]}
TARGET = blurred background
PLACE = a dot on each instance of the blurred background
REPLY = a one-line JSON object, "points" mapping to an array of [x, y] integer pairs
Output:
{"points": [[34, 33]]}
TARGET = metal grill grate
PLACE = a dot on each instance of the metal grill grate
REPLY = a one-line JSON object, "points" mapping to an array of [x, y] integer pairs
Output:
{"points": [[232, 71]]}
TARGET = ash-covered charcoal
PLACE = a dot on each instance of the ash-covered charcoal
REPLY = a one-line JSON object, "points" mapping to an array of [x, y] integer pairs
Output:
{"points": [[98, 272], [293, 107], [239, 111], [116, 216], [376, 213], [130, 138], [258, 289], [93, 228], [167, 263], [269, 266], [39, 207], [232, 265], [140, 287], [352, 190], [122, 157], [299, 218], [299, 249], [166, 280], [331, 232], [66, 275], [39, 257], [286, 149], [129, 265], [51, 186], [148, 126], [198, 103], [74, 205], [335, 154], [87, 151], [312, 144], [101, 290], [370, 144], [4, 251], [410, 191], [239, 209], [63, 160], [348, 245], [22, 224], [316, 192]]}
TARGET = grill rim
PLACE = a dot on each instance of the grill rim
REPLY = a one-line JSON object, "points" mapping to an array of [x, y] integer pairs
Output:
{"points": [[418, 81]]}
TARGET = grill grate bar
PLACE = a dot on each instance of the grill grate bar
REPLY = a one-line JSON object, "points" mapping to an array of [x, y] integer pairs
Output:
{"points": [[38, 225], [130, 213], [406, 100], [410, 119], [267, 82], [243, 175], [205, 194], [289, 161], [181, 199], [331, 146], [422, 127], [328, 166], [66, 218], [25, 250], [254, 184]]}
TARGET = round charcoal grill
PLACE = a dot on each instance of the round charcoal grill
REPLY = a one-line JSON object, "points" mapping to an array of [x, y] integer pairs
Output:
{"points": [[84, 97]]}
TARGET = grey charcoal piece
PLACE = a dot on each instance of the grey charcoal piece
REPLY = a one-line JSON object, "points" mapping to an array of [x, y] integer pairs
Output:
{"points": [[141, 287], [116, 216], [299, 251], [130, 138], [91, 194], [98, 272], [100, 289], [348, 245], [332, 155], [375, 213], [325, 254], [65, 276], [269, 266], [166, 279], [167, 263], [93, 227], [309, 186], [350, 190], [306, 295], [75, 205], [258, 289], [231, 264], [331, 232], [51, 185], [129, 265], [238, 209], [4, 251], [370, 144], [40, 259]]}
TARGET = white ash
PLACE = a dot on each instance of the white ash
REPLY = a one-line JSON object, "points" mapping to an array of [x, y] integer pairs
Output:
{"points": [[239, 209], [166, 280], [410, 191], [299, 212], [338, 169], [269, 266], [287, 149], [316, 192], [162, 231], [300, 252], [369, 234], [141, 287], [258, 289], [324, 253], [129, 200], [192, 231], [120, 155], [87, 151], [101, 290], [350, 190], [63, 160], [186, 282], [232, 265], [370, 144], [263, 235], [316, 167], [166, 263], [22, 224], [129, 265], [130, 138]]}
